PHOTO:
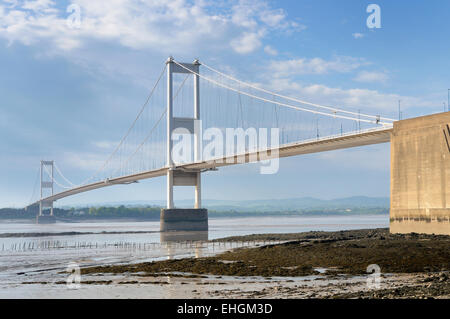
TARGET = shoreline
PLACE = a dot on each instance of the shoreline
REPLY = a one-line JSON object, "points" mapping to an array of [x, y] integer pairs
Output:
{"points": [[72, 233]]}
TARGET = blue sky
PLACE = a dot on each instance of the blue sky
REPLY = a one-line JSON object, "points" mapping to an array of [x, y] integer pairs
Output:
{"points": [[65, 91]]}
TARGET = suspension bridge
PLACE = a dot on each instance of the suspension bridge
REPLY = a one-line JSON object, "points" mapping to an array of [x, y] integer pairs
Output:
{"points": [[200, 103]]}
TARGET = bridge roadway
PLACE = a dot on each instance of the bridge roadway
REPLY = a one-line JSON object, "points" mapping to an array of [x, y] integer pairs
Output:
{"points": [[348, 140]]}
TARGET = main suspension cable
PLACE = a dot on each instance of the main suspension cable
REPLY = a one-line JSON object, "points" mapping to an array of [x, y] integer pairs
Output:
{"points": [[291, 98], [282, 104], [54, 180], [62, 175]]}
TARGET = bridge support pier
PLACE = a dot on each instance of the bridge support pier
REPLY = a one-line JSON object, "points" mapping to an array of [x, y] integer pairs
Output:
{"points": [[420, 175], [184, 220], [181, 219], [45, 219]]}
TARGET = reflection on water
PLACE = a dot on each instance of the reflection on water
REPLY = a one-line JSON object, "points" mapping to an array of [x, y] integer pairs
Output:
{"points": [[173, 239]]}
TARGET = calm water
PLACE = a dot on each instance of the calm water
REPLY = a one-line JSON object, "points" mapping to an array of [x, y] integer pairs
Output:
{"points": [[42, 259]]}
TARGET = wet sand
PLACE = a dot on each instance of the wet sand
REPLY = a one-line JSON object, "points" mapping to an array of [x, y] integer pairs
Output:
{"points": [[308, 265]]}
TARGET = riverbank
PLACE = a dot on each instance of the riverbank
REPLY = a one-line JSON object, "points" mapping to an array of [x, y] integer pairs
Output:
{"points": [[310, 265]]}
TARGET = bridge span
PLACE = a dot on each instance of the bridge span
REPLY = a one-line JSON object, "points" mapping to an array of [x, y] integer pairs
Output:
{"points": [[355, 139]]}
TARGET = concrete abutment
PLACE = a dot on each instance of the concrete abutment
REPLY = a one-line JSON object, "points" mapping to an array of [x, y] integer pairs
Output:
{"points": [[420, 175]]}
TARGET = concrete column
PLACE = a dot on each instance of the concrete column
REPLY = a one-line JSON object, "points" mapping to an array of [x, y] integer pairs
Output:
{"points": [[51, 207], [170, 189], [40, 203], [198, 191], [198, 131], [197, 138], [169, 111], [169, 133]]}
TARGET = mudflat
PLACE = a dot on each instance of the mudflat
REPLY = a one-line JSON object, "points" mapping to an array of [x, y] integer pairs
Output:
{"points": [[332, 255]]}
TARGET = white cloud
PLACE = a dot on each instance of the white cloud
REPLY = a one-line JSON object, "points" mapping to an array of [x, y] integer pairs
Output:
{"points": [[302, 66], [358, 35], [39, 5], [107, 145], [350, 99], [273, 18], [369, 77], [247, 43], [160, 25], [256, 13], [270, 51], [243, 14], [280, 77]]}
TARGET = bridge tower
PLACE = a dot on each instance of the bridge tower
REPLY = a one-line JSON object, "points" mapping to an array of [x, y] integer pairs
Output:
{"points": [[46, 184], [171, 217]]}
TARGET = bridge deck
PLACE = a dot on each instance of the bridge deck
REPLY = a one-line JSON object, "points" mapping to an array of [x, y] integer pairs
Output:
{"points": [[367, 137]]}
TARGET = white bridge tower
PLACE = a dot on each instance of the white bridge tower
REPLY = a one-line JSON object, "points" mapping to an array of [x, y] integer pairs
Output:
{"points": [[183, 219], [46, 190]]}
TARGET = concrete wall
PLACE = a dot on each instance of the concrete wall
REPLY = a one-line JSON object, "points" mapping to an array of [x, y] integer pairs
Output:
{"points": [[420, 175], [45, 219], [184, 220]]}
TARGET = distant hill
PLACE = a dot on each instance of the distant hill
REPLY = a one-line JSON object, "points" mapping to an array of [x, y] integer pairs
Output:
{"points": [[299, 204]]}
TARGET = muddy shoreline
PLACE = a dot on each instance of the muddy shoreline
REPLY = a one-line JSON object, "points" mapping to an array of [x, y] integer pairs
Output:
{"points": [[422, 262]]}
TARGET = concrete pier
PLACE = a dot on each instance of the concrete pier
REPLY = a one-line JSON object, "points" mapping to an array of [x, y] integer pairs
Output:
{"points": [[45, 219], [420, 175], [184, 220]]}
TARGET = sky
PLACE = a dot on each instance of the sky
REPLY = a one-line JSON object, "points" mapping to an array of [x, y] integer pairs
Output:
{"points": [[69, 89]]}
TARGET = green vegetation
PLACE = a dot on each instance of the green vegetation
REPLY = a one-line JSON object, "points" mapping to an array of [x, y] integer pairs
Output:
{"points": [[148, 213]]}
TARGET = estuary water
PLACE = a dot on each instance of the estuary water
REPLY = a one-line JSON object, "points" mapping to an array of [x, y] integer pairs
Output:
{"points": [[34, 266]]}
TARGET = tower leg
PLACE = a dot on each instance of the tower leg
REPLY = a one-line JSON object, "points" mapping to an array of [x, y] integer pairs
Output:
{"points": [[198, 191], [170, 189]]}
